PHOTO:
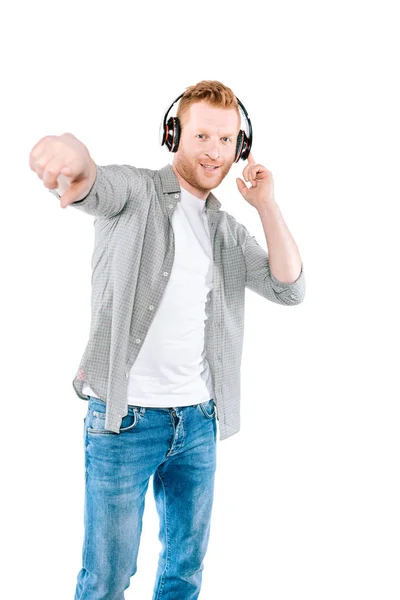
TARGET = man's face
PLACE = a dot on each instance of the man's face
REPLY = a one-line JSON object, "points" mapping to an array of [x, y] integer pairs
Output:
{"points": [[208, 137]]}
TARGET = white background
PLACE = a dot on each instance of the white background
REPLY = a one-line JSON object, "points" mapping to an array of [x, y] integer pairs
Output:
{"points": [[307, 493]]}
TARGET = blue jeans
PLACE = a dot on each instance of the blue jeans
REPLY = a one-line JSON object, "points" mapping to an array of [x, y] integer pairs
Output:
{"points": [[177, 446]]}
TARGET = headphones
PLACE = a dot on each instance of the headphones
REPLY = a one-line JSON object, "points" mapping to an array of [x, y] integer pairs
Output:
{"points": [[170, 133]]}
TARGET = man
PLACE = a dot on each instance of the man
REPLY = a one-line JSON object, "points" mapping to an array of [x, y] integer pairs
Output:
{"points": [[162, 363]]}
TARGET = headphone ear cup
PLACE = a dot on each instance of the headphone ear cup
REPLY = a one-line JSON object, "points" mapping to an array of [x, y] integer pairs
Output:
{"points": [[172, 134], [177, 131], [169, 133], [239, 144], [246, 147]]}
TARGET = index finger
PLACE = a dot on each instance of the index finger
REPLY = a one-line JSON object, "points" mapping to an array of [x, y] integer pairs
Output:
{"points": [[250, 159]]}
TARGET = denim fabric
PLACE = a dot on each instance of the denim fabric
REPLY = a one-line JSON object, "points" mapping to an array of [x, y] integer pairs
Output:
{"points": [[177, 446]]}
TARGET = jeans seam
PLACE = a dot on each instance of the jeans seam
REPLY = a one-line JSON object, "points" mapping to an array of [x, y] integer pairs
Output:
{"points": [[162, 577]]}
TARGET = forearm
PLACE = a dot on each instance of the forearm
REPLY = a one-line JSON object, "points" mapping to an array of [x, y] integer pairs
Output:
{"points": [[111, 189], [284, 257]]}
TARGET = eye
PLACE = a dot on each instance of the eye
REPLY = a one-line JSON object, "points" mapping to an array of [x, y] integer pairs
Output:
{"points": [[224, 138]]}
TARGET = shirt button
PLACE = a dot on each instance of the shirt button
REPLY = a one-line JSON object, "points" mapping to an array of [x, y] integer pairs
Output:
{"points": [[171, 205], [127, 375], [151, 307], [165, 273], [176, 195], [138, 341]]}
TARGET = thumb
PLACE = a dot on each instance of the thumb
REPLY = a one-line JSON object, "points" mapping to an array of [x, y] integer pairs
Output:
{"points": [[242, 187], [76, 190]]}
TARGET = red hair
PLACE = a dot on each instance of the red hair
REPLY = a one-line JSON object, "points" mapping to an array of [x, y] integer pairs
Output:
{"points": [[214, 92]]}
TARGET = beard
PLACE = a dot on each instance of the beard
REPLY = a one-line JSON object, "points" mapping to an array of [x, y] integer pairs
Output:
{"points": [[192, 171]]}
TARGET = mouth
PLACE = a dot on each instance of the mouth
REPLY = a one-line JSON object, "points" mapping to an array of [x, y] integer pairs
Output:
{"points": [[210, 168]]}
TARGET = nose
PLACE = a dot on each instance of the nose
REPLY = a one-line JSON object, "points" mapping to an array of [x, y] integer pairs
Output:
{"points": [[213, 150]]}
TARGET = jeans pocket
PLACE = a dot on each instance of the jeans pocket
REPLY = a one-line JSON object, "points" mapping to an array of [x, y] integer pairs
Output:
{"points": [[96, 418], [208, 408]]}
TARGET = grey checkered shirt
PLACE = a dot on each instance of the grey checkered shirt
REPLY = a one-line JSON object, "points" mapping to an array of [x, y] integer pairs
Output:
{"points": [[131, 263]]}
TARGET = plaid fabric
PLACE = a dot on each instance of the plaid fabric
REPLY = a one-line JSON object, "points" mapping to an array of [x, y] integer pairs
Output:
{"points": [[131, 263]]}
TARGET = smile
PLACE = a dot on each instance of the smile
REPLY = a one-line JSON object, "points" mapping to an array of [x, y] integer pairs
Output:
{"points": [[210, 167]]}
